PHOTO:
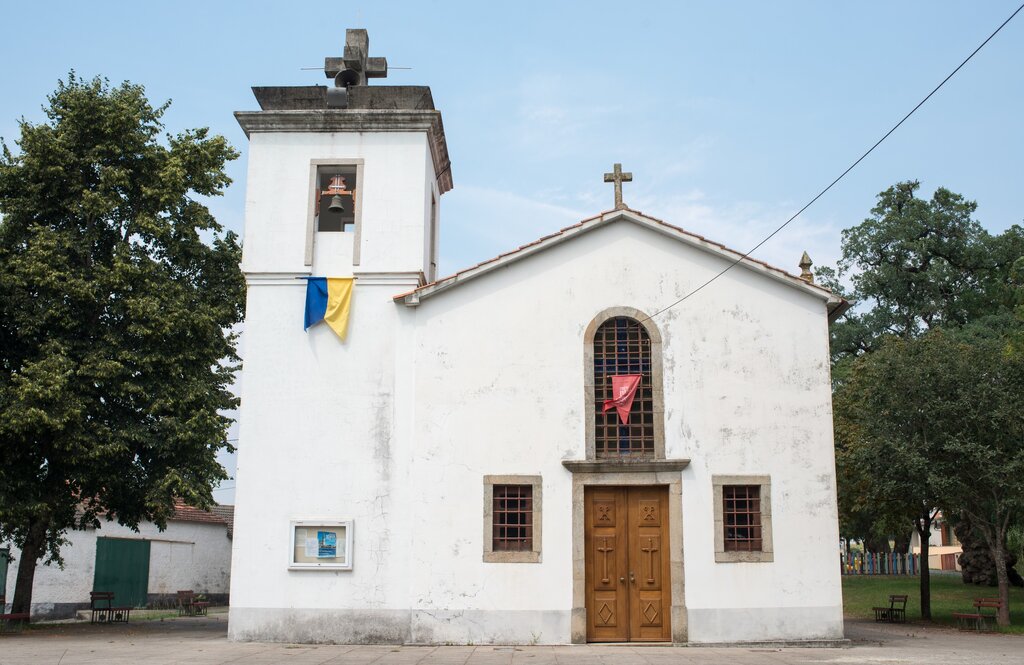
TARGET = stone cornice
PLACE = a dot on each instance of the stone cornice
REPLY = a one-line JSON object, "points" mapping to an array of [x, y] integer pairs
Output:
{"points": [[397, 280], [358, 120], [625, 466]]}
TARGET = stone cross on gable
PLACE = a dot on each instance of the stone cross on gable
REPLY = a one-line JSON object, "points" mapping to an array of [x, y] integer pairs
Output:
{"points": [[618, 177], [355, 64]]}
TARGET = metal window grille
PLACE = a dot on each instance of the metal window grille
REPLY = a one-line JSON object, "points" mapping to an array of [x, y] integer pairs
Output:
{"points": [[622, 346], [742, 517], [512, 518]]}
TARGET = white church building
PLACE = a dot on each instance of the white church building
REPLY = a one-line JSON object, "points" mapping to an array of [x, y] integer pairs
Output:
{"points": [[449, 472]]}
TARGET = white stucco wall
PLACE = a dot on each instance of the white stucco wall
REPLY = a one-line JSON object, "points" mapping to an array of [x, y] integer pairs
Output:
{"points": [[317, 441], [499, 389], [396, 427], [396, 177], [319, 420], [187, 555]]}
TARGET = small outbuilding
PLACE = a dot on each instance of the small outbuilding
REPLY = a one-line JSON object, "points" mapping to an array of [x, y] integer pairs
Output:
{"points": [[143, 569]]}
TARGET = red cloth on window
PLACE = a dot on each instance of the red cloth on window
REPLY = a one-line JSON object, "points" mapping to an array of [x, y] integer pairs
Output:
{"points": [[623, 390]]}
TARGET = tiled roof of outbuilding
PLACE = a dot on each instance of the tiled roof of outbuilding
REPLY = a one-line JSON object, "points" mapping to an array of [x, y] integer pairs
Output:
{"points": [[216, 515]]}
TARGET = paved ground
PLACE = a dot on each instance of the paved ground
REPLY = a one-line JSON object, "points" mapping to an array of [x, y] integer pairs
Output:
{"points": [[202, 641]]}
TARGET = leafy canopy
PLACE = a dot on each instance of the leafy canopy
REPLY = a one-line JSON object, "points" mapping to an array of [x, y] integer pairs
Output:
{"points": [[937, 420], [118, 292], [931, 333], [919, 264]]}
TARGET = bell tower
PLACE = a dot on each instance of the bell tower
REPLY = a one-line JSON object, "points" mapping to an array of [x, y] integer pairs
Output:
{"points": [[344, 181], [347, 179]]}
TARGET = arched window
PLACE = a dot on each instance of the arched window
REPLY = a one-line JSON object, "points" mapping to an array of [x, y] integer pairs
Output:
{"points": [[621, 345]]}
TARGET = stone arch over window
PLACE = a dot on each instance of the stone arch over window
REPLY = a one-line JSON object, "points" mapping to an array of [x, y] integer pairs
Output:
{"points": [[622, 340]]}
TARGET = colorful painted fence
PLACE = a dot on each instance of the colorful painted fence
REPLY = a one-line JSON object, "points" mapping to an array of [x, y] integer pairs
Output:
{"points": [[880, 564]]}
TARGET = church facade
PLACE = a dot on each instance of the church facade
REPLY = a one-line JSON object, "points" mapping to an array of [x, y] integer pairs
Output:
{"points": [[527, 451]]}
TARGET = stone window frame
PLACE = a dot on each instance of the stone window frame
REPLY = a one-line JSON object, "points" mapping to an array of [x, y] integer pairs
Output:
{"points": [[657, 376], [357, 234], [531, 556], [767, 553]]}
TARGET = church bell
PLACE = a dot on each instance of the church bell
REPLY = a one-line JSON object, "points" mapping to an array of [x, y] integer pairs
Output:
{"points": [[346, 78], [335, 205]]}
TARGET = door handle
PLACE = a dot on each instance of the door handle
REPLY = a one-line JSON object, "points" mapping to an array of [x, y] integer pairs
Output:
{"points": [[622, 580], [632, 579]]}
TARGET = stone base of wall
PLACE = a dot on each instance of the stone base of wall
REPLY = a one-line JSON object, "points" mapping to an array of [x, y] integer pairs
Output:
{"points": [[54, 611], [734, 625], [331, 626], [491, 627], [794, 625]]}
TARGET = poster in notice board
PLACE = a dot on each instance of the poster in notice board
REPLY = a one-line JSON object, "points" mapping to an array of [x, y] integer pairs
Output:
{"points": [[321, 545]]}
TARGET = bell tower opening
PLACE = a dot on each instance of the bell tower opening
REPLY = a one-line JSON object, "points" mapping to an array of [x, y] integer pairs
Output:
{"points": [[335, 197]]}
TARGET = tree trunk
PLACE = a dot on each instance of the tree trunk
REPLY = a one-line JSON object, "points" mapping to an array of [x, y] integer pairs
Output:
{"points": [[31, 551], [924, 531], [999, 556]]}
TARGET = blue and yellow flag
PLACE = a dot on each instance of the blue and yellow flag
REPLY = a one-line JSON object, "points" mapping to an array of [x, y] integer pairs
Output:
{"points": [[329, 299]]}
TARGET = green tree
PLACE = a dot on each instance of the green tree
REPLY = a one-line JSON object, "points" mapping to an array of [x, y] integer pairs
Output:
{"points": [[885, 445], [982, 405], [941, 418], [915, 265], [918, 264], [118, 292]]}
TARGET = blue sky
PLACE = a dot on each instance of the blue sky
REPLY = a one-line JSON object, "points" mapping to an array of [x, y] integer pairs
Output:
{"points": [[730, 116]]}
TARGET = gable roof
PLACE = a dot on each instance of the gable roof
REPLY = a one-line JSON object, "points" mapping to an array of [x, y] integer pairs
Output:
{"points": [[226, 513], [835, 305], [216, 515]]}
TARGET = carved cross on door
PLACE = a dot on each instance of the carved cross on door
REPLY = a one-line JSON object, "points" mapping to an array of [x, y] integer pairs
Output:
{"points": [[650, 550], [604, 551]]}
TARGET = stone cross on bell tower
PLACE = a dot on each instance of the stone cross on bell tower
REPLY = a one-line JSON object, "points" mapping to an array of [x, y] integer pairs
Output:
{"points": [[618, 177], [355, 67]]}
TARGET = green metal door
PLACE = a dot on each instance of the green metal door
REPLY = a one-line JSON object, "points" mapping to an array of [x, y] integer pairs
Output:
{"points": [[3, 574], [122, 566]]}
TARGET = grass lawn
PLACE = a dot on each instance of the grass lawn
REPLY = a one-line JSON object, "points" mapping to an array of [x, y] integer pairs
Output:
{"points": [[949, 594]]}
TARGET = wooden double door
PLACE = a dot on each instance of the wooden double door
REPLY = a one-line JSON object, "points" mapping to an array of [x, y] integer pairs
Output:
{"points": [[628, 577]]}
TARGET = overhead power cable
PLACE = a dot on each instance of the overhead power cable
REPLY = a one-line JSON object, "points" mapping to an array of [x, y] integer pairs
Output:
{"points": [[843, 174]]}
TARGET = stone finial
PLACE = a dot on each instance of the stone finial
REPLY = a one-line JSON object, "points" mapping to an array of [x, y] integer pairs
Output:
{"points": [[618, 177], [805, 269]]}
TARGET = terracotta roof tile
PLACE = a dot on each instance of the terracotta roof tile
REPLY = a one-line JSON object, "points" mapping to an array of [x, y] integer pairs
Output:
{"points": [[183, 512], [599, 216], [186, 513], [227, 513]]}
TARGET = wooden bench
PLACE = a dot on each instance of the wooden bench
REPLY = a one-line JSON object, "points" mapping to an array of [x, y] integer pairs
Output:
{"points": [[103, 609], [896, 612], [984, 610], [189, 606], [13, 622]]}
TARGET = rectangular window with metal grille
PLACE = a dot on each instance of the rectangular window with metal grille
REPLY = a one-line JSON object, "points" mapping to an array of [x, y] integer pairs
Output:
{"points": [[513, 518], [742, 518]]}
